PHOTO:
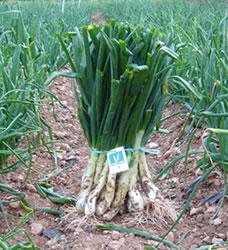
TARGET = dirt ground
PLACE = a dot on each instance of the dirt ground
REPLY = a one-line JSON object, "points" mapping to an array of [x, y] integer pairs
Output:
{"points": [[198, 227]]}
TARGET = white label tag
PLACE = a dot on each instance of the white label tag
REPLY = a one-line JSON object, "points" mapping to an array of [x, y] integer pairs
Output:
{"points": [[117, 160]]}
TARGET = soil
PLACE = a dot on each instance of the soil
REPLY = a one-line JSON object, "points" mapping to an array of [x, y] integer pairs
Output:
{"points": [[197, 227]]}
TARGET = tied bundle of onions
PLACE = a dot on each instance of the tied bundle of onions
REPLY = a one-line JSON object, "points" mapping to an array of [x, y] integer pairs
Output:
{"points": [[121, 76]]}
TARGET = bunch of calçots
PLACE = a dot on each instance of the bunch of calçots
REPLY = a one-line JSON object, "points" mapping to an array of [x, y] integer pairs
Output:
{"points": [[122, 76]]}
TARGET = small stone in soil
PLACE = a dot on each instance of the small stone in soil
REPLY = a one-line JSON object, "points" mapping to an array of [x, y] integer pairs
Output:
{"points": [[30, 187], [206, 239], [222, 236], [20, 177], [174, 179], [116, 235], [116, 244], [61, 156], [60, 135], [15, 204], [206, 217], [66, 147], [194, 211], [36, 228], [78, 231], [200, 218], [51, 243], [194, 230], [217, 222], [210, 209]]}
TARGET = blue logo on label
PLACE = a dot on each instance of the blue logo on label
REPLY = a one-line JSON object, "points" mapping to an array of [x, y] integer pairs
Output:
{"points": [[116, 158]]}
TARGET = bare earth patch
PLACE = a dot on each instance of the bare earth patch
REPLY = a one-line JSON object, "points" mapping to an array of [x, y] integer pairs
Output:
{"points": [[197, 228]]}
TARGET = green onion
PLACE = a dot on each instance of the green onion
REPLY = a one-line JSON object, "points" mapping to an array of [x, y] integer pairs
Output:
{"points": [[123, 79]]}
